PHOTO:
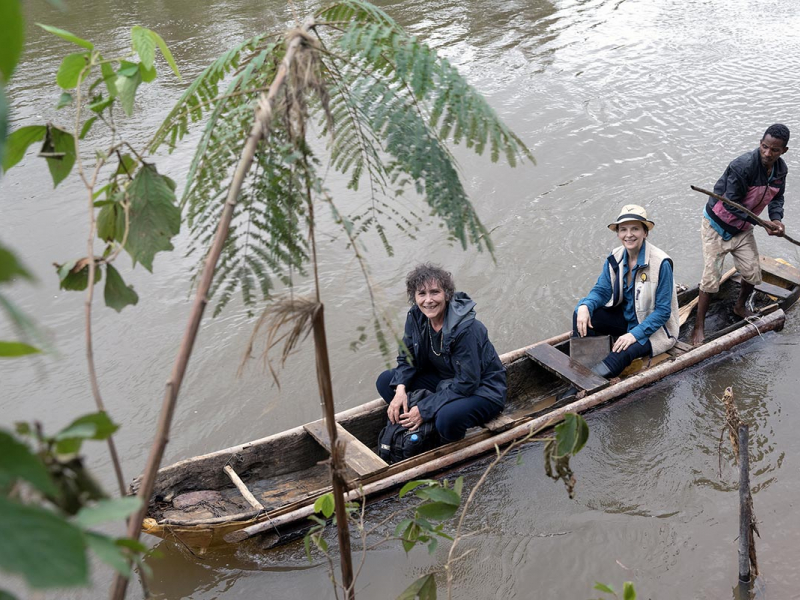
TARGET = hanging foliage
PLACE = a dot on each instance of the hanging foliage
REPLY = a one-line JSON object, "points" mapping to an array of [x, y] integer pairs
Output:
{"points": [[387, 105]]}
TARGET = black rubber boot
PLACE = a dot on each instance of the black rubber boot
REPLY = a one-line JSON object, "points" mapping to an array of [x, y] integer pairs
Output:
{"points": [[599, 369]]}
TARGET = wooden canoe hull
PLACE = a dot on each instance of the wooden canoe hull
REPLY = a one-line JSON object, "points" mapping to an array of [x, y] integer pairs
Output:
{"points": [[196, 504]]}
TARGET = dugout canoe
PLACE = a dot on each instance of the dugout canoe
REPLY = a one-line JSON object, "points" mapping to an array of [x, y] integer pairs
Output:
{"points": [[267, 487]]}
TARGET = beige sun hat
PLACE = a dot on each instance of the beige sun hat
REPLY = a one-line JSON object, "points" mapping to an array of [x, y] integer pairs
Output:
{"points": [[632, 212]]}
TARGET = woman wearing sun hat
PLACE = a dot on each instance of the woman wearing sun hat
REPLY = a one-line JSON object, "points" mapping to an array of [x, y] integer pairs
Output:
{"points": [[634, 298]]}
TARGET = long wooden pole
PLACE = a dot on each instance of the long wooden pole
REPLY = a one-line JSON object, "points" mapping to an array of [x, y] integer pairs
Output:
{"points": [[261, 123], [769, 322], [744, 505], [338, 480], [749, 213]]}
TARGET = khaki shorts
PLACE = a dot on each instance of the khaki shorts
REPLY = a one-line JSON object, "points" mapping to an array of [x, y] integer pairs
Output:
{"points": [[741, 246]]}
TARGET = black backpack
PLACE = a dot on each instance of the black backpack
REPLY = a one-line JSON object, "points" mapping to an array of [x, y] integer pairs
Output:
{"points": [[396, 443]]}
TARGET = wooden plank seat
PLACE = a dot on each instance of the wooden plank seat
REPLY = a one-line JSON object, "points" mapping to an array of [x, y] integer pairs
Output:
{"points": [[357, 455], [562, 365], [782, 270], [767, 288]]}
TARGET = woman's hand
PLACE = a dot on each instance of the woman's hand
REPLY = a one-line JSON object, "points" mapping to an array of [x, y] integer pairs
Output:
{"points": [[623, 342], [411, 419], [584, 320], [398, 405]]}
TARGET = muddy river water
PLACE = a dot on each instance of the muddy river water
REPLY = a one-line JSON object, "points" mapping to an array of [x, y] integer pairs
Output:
{"points": [[620, 101]]}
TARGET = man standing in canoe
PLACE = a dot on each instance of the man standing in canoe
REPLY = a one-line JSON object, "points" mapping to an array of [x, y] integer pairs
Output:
{"points": [[755, 180]]}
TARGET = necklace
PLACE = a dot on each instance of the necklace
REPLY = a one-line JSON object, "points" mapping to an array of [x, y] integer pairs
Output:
{"points": [[441, 340]]}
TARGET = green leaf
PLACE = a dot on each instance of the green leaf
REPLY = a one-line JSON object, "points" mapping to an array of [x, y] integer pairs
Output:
{"points": [[18, 462], [10, 267], [3, 124], [65, 100], [94, 426], [118, 295], [604, 588], [162, 45], [66, 35], [432, 545], [15, 349], [127, 68], [402, 526], [74, 275], [4, 595], [144, 44], [109, 552], [458, 487], [148, 75], [423, 588], [12, 32], [41, 546], [62, 144], [86, 127], [111, 222], [325, 505], [70, 70], [109, 76], [628, 593], [440, 495], [101, 104], [571, 435], [411, 485], [126, 88], [437, 511], [154, 218], [19, 141], [104, 511]]}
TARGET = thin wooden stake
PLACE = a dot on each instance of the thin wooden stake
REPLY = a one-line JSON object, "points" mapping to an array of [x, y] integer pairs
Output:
{"points": [[744, 505], [338, 480]]}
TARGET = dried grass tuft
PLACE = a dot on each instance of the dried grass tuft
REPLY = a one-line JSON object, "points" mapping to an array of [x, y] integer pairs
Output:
{"points": [[287, 321]]}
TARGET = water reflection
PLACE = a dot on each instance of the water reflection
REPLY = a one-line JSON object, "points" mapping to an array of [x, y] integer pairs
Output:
{"points": [[619, 101]]}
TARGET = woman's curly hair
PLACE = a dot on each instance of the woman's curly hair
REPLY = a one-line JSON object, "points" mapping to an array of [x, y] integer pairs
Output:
{"points": [[425, 273]]}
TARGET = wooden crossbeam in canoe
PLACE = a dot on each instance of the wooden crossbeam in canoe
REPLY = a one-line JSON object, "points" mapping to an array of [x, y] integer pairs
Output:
{"points": [[562, 365], [780, 269], [357, 455]]}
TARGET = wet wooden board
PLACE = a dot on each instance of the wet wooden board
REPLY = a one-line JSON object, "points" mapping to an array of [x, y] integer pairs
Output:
{"points": [[767, 288], [500, 423], [786, 272], [679, 348], [357, 455], [562, 365], [774, 290]]}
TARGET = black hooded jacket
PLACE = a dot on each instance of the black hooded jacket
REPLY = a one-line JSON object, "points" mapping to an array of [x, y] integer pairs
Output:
{"points": [[466, 348]]}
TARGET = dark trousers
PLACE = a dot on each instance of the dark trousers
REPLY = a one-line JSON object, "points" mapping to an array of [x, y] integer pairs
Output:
{"points": [[454, 418], [611, 321]]}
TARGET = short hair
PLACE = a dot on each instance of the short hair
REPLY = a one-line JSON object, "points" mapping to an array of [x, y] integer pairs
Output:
{"points": [[779, 132], [425, 272]]}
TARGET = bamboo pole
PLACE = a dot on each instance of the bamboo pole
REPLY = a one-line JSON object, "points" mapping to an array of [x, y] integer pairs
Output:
{"points": [[749, 213], [769, 322], [744, 505], [261, 122]]}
